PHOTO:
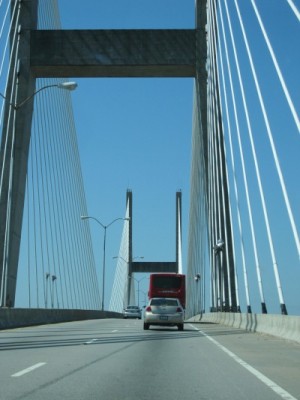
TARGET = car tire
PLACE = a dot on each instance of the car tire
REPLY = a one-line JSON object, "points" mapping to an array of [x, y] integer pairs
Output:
{"points": [[146, 326], [180, 327]]}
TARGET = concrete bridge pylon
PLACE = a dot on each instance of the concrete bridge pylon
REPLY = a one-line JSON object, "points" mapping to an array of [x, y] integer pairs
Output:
{"points": [[153, 266]]}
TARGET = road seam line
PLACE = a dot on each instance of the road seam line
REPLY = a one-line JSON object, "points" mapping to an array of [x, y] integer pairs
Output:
{"points": [[268, 382]]}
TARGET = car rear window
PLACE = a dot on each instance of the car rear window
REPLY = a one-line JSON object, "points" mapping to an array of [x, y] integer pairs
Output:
{"points": [[164, 302]]}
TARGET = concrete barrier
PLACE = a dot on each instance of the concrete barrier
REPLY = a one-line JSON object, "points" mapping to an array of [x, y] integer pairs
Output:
{"points": [[283, 326], [20, 317]]}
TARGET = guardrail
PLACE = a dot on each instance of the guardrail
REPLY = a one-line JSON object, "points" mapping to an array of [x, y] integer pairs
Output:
{"points": [[283, 326], [20, 317]]}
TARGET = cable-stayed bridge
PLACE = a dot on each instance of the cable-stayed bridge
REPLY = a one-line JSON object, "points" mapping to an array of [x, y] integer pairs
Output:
{"points": [[243, 231]]}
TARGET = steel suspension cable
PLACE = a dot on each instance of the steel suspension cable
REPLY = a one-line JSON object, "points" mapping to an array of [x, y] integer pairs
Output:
{"points": [[275, 267], [9, 147], [13, 17], [293, 111], [197, 213], [50, 14], [83, 207], [223, 175], [277, 68], [37, 209], [28, 253], [270, 136], [12, 65], [66, 144], [245, 273], [210, 166], [294, 9], [221, 78], [241, 151], [119, 293]]}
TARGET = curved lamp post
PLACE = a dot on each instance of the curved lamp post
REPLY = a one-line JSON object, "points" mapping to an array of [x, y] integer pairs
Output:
{"points": [[9, 177], [62, 85], [218, 248], [104, 248]]}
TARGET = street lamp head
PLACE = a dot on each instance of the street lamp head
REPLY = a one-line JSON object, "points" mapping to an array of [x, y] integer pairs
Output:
{"points": [[84, 217], [119, 257], [197, 277], [220, 242], [67, 85], [219, 246]]}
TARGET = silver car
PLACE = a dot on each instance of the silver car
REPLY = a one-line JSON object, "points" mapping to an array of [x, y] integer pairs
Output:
{"points": [[165, 312], [132, 312]]}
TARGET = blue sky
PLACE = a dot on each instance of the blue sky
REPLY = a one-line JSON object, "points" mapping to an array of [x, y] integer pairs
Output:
{"points": [[136, 134]]}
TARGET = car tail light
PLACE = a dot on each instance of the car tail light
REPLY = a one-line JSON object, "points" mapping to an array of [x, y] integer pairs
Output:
{"points": [[148, 308]]}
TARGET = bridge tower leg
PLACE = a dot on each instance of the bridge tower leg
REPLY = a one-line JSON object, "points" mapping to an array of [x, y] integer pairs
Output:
{"points": [[15, 147], [223, 272]]}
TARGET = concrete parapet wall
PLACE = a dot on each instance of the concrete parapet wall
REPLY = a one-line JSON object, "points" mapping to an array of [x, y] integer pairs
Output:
{"points": [[18, 317], [283, 326]]}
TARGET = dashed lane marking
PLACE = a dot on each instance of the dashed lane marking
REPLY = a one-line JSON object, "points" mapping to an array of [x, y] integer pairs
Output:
{"points": [[27, 370]]}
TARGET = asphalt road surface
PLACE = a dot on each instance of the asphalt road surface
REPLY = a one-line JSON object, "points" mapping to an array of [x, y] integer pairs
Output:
{"points": [[116, 359]]}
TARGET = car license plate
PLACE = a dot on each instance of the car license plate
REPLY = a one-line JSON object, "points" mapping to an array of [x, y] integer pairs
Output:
{"points": [[163, 318]]}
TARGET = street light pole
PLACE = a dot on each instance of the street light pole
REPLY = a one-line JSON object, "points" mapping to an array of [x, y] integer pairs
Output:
{"points": [[198, 295], [218, 248], [62, 85], [131, 277], [138, 282], [104, 249]]}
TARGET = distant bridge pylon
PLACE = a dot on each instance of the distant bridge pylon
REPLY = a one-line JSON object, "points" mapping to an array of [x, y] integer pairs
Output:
{"points": [[123, 292]]}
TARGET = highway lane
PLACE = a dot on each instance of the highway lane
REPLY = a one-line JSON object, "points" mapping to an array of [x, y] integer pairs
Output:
{"points": [[116, 359]]}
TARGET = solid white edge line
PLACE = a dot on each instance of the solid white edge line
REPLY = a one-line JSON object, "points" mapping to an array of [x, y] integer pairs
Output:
{"points": [[29, 369], [268, 382]]}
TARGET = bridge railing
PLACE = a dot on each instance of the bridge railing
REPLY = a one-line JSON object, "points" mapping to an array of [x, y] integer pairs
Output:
{"points": [[282, 326], [20, 317]]}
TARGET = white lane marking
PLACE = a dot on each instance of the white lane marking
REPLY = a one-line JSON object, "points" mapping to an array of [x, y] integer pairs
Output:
{"points": [[268, 382], [29, 369]]}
